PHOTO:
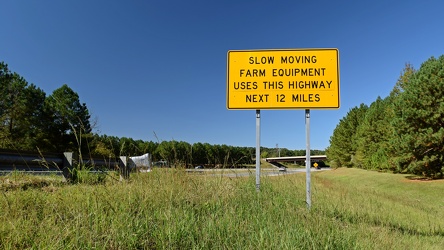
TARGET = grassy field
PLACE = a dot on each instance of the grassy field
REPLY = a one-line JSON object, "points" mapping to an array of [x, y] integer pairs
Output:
{"points": [[169, 209]]}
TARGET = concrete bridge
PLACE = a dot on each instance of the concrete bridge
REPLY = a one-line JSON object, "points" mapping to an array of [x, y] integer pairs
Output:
{"points": [[276, 160], [314, 158]]}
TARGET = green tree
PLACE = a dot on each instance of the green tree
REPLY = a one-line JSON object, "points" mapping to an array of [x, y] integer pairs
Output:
{"points": [[199, 154], [210, 154], [343, 144], [240, 156], [391, 140], [299, 152], [21, 109], [107, 146], [166, 152], [183, 152], [373, 135], [225, 155], [403, 80], [218, 155], [13, 107], [31, 126], [67, 121], [419, 121], [285, 152]]}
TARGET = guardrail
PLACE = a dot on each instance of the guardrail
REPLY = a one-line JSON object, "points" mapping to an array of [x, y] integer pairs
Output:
{"points": [[26, 161]]}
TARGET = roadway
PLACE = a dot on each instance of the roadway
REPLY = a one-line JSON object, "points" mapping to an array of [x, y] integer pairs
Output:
{"points": [[251, 171]]}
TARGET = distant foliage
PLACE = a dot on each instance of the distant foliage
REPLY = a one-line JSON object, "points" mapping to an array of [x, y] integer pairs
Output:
{"points": [[184, 154], [401, 133], [30, 120]]}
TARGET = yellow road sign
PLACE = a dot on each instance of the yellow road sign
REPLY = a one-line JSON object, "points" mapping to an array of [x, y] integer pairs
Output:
{"points": [[283, 79]]}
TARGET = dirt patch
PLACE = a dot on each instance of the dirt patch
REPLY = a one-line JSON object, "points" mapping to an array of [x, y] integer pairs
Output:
{"points": [[414, 178]]}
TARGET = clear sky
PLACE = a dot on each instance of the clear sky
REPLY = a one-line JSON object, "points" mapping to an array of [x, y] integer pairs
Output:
{"points": [[159, 67]]}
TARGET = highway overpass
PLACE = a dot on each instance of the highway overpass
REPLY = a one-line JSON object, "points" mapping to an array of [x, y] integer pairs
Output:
{"points": [[314, 158]]}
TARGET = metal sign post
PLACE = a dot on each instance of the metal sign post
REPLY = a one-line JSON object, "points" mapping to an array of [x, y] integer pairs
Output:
{"points": [[258, 149], [307, 159], [283, 79]]}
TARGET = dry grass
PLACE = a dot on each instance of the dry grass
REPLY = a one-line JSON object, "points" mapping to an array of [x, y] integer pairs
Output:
{"points": [[169, 209]]}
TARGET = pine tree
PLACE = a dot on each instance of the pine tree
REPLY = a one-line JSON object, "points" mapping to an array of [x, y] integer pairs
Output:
{"points": [[21, 108], [372, 136], [343, 142], [66, 119], [419, 121]]}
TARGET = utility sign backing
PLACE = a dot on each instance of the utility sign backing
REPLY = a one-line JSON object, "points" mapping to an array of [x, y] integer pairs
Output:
{"points": [[283, 79]]}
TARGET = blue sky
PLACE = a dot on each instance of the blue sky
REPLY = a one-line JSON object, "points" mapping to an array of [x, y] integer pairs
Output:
{"points": [[147, 68]]}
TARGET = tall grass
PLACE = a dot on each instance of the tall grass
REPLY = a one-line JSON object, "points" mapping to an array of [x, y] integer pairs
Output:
{"points": [[169, 209]]}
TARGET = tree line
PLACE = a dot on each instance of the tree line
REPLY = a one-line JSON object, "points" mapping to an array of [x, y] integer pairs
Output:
{"points": [[32, 120], [403, 132], [180, 153]]}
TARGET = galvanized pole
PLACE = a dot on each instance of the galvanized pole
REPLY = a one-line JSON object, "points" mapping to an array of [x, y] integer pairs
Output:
{"points": [[307, 155], [258, 149]]}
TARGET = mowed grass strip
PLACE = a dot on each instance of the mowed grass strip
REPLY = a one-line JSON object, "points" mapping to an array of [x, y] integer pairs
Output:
{"points": [[170, 209], [391, 210]]}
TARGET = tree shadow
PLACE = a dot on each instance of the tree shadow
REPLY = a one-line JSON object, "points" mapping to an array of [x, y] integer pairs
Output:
{"points": [[418, 178]]}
